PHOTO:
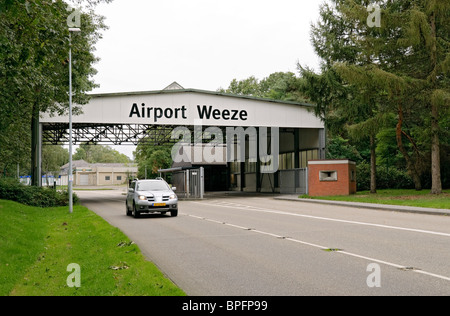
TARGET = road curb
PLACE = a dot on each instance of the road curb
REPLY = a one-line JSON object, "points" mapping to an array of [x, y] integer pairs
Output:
{"points": [[380, 207]]}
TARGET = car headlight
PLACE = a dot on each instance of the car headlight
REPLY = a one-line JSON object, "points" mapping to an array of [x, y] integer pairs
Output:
{"points": [[142, 197], [173, 197]]}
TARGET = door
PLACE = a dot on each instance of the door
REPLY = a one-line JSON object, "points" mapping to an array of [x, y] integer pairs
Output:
{"points": [[84, 179]]}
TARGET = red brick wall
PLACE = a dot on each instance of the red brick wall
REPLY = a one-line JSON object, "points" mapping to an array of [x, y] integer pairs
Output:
{"points": [[343, 185]]}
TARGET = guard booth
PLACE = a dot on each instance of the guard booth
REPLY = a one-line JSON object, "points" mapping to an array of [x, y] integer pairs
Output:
{"points": [[331, 177]]}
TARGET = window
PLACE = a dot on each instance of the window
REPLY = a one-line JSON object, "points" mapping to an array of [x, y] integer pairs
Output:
{"points": [[152, 186], [233, 180], [235, 167], [119, 178], [303, 160], [250, 166], [307, 155], [107, 178], [328, 175], [286, 161]]}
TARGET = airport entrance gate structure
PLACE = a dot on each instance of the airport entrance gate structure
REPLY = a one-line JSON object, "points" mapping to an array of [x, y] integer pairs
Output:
{"points": [[288, 134]]}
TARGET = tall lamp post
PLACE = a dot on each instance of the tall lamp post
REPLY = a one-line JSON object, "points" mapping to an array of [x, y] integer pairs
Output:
{"points": [[70, 184]]}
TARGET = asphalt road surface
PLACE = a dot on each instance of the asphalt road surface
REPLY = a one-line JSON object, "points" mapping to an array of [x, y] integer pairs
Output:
{"points": [[260, 246]]}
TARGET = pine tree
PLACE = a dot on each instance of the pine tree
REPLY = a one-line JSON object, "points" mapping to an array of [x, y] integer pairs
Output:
{"points": [[405, 62], [411, 49], [338, 101]]}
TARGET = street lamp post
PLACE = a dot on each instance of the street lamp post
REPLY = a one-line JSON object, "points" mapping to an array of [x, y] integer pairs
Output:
{"points": [[70, 173]]}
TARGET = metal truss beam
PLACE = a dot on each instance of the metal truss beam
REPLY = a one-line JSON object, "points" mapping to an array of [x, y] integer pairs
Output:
{"points": [[120, 134], [116, 134]]}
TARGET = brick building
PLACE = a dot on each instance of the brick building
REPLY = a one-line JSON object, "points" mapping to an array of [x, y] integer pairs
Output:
{"points": [[331, 177]]}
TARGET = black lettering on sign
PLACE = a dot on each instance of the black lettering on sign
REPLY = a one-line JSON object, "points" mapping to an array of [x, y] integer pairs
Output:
{"points": [[156, 113], [135, 111], [226, 115], [207, 112]]}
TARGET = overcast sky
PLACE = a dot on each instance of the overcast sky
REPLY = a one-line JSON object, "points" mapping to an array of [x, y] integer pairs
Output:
{"points": [[201, 44]]}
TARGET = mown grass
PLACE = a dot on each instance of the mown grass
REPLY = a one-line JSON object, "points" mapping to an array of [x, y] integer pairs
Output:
{"points": [[37, 245], [397, 197]]}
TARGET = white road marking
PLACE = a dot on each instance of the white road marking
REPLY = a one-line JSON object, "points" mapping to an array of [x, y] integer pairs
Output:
{"points": [[257, 209], [372, 260]]}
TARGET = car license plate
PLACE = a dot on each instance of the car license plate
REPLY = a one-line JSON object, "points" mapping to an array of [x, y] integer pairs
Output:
{"points": [[159, 204]]}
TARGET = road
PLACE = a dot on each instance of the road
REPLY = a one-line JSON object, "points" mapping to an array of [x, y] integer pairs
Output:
{"points": [[260, 246]]}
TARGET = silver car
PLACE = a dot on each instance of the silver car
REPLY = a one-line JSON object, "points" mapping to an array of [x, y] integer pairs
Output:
{"points": [[151, 196]]}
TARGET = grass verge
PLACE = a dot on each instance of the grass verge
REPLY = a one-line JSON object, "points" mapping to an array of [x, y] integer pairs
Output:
{"points": [[396, 197], [37, 245]]}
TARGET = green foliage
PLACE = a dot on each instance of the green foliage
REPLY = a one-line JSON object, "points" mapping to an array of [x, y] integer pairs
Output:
{"points": [[372, 74], [34, 69], [406, 197], [387, 178], [53, 157], [326, 91], [249, 87], [38, 244], [34, 51], [21, 243], [283, 86], [150, 159], [340, 148], [11, 189], [99, 154], [159, 159], [387, 149]]}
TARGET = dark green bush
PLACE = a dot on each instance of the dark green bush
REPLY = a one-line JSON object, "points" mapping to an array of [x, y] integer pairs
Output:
{"points": [[11, 189], [391, 178]]}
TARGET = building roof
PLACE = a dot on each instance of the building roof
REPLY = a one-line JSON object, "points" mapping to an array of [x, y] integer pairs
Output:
{"points": [[176, 88], [76, 164]]}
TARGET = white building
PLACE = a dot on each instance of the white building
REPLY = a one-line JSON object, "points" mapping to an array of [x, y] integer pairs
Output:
{"points": [[99, 174]]}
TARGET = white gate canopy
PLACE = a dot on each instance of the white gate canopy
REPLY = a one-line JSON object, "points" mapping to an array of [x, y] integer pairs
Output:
{"points": [[120, 118]]}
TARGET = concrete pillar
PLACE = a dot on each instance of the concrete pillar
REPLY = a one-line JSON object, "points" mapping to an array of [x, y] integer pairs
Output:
{"points": [[322, 143]]}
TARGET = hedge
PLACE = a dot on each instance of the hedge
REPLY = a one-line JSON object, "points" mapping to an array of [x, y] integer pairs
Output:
{"points": [[391, 178], [11, 189]]}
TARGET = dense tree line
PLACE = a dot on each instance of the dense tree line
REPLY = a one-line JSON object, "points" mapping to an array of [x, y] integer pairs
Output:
{"points": [[383, 91], [34, 71], [99, 154]]}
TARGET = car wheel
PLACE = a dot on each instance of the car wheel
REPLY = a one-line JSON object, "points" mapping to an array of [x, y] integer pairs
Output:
{"points": [[174, 213], [135, 212], [128, 212]]}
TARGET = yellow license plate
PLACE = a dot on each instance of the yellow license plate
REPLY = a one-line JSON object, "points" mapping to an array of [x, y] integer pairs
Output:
{"points": [[159, 204]]}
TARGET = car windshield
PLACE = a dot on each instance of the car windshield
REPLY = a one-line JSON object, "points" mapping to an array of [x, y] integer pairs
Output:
{"points": [[152, 186]]}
